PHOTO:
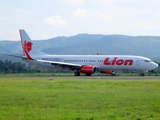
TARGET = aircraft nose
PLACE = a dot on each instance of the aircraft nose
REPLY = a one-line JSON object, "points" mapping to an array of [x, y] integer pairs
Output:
{"points": [[154, 65]]}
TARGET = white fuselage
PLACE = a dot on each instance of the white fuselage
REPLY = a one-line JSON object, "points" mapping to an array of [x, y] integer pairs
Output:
{"points": [[102, 62]]}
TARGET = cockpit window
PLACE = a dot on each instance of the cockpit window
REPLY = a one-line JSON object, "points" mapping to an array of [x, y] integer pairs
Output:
{"points": [[147, 60]]}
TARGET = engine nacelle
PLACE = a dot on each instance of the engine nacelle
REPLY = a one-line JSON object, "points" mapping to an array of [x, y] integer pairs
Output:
{"points": [[89, 69], [108, 72]]}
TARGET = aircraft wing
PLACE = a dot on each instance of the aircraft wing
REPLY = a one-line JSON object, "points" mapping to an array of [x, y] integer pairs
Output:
{"points": [[64, 65]]}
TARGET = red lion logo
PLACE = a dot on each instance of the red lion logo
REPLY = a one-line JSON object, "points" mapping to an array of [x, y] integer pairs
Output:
{"points": [[27, 46]]}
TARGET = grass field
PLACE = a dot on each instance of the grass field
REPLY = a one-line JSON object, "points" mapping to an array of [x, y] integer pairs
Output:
{"points": [[79, 99]]}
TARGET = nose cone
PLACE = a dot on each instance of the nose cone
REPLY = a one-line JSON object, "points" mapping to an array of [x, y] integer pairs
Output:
{"points": [[154, 65]]}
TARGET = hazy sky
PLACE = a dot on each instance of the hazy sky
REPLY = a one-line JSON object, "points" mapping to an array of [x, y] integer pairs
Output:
{"points": [[43, 19]]}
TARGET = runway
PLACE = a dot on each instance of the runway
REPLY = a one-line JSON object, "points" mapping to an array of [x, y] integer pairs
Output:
{"points": [[112, 77], [87, 77], [98, 77]]}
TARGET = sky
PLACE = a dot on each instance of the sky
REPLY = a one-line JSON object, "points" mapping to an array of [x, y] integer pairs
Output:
{"points": [[44, 19]]}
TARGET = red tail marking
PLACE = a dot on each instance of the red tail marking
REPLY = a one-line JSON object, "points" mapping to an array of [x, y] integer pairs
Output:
{"points": [[28, 56], [27, 47]]}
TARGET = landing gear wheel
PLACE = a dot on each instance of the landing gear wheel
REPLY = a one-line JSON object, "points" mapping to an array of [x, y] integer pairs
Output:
{"points": [[77, 73], [87, 74], [142, 74], [113, 74]]}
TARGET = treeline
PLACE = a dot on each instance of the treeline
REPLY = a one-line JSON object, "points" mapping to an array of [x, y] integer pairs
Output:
{"points": [[8, 66]]}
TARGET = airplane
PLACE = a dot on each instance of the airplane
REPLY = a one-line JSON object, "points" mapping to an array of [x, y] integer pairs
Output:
{"points": [[86, 64]]}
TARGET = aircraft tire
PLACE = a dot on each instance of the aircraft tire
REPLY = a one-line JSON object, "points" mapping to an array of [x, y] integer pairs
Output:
{"points": [[142, 74], [77, 73], [87, 74]]}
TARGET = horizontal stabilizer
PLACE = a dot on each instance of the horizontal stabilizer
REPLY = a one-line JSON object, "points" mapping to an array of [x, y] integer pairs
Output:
{"points": [[18, 56]]}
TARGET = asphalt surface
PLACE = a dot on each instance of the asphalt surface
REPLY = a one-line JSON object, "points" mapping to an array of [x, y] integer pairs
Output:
{"points": [[92, 77], [122, 77], [98, 77]]}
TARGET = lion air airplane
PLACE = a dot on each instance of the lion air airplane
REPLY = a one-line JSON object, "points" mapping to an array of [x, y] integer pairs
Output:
{"points": [[87, 64]]}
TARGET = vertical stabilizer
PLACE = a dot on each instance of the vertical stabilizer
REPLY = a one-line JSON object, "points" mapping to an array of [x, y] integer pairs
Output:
{"points": [[29, 48]]}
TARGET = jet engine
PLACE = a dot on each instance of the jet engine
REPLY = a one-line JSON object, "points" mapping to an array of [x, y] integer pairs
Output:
{"points": [[88, 69]]}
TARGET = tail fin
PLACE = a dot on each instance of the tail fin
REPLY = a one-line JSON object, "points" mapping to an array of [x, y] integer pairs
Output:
{"points": [[29, 49]]}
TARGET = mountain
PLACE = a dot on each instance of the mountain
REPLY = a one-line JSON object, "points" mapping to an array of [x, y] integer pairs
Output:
{"points": [[148, 46], [4, 50]]}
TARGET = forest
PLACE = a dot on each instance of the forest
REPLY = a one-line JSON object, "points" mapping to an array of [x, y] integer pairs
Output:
{"points": [[8, 66]]}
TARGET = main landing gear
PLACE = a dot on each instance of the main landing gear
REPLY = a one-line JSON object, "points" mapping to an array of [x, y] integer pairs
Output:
{"points": [[77, 73], [142, 74], [88, 74]]}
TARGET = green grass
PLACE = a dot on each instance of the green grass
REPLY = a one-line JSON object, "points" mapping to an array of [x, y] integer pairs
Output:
{"points": [[78, 99]]}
